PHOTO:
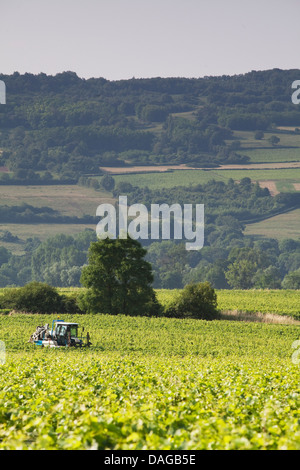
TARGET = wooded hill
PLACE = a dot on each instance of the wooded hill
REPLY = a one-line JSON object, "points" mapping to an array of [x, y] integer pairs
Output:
{"points": [[64, 126]]}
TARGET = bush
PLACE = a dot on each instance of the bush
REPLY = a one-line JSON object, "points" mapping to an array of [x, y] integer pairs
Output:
{"points": [[259, 135], [69, 304], [37, 297], [194, 301], [107, 182]]}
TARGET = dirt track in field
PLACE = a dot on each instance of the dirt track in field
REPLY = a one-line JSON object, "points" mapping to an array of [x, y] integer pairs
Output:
{"points": [[143, 169], [163, 168], [261, 166]]}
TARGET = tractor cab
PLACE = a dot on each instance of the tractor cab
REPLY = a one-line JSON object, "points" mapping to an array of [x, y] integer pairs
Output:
{"points": [[65, 333]]}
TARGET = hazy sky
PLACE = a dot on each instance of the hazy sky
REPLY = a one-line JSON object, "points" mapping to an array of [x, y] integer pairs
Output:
{"points": [[120, 39]]}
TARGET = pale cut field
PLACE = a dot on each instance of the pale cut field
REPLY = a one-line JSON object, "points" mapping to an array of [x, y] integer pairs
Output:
{"points": [[68, 200], [165, 168], [278, 227], [271, 185]]}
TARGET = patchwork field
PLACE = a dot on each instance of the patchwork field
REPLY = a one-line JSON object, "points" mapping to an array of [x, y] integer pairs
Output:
{"points": [[277, 168]]}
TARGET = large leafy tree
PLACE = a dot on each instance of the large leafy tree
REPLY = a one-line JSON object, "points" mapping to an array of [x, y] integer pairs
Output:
{"points": [[118, 279], [292, 280], [247, 261]]}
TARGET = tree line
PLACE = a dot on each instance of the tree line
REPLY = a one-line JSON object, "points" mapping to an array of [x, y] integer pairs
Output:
{"points": [[117, 280]]}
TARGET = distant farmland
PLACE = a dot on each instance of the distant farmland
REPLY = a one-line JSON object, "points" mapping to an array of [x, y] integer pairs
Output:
{"points": [[69, 200], [187, 177], [280, 227]]}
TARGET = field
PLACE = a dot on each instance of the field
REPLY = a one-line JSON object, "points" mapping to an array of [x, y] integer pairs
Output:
{"points": [[78, 201], [68, 200], [288, 148], [266, 166], [41, 231], [187, 177], [155, 383], [285, 303], [279, 227], [274, 155], [159, 383], [275, 167], [277, 302]]}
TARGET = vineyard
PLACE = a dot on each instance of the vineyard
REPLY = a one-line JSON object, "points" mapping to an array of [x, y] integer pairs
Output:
{"points": [[279, 302], [154, 383]]}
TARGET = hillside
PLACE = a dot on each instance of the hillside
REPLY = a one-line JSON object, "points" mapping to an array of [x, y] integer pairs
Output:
{"points": [[212, 140], [62, 126]]}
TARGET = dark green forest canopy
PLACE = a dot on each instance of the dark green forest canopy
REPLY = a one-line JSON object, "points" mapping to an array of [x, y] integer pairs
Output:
{"points": [[244, 200], [69, 126]]}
